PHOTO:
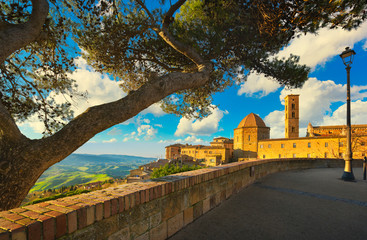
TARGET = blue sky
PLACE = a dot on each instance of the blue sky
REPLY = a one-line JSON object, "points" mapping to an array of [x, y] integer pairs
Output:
{"points": [[322, 100]]}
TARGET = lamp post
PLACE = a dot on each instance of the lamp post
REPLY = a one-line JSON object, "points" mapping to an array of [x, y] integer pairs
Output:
{"points": [[347, 57]]}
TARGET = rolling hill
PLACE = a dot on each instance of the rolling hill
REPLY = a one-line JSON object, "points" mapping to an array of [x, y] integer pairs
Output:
{"points": [[84, 168]]}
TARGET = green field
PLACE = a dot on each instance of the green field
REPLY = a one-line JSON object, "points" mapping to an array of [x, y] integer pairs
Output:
{"points": [[85, 168], [67, 179]]}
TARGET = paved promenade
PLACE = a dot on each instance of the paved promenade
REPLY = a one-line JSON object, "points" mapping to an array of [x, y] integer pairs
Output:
{"points": [[305, 204]]}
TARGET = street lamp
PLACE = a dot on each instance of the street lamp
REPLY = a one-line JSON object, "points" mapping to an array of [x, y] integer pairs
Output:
{"points": [[347, 57]]}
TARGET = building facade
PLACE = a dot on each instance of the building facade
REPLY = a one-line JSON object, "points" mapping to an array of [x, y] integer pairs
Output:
{"points": [[319, 142], [173, 151], [252, 140], [219, 152], [247, 135]]}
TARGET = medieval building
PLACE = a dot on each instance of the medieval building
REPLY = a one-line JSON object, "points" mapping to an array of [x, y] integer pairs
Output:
{"points": [[219, 152], [251, 139], [319, 142]]}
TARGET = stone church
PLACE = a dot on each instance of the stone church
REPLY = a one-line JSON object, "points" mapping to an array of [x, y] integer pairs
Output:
{"points": [[252, 138]]}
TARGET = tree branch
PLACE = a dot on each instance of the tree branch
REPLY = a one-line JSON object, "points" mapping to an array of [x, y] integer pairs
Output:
{"points": [[180, 47], [8, 127], [155, 26], [99, 118], [16, 36]]}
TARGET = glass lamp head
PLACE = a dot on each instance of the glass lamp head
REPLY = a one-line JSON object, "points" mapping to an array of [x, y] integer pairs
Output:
{"points": [[347, 55]]}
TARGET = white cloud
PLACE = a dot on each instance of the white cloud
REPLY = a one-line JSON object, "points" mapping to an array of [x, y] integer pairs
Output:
{"points": [[358, 114], [317, 49], [130, 136], [188, 140], [316, 99], [110, 141], [258, 85], [313, 50], [114, 131], [154, 109], [170, 141], [147, 130], [100, 88], [275, 120], [205, 126], [193, 140], [365, 46]]}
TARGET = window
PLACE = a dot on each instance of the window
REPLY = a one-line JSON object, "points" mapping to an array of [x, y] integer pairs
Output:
{"points": [[326, 155], [293, 106], [341, 144], [261, 146], [293, 115], [309, 144], [249, 137], [280, 155], [326, 144], [282, 145], [269, 146], [210, 152], [212, 160], [308, 155], [294, 155], [293, 129], [263, 156], [294, 145]]}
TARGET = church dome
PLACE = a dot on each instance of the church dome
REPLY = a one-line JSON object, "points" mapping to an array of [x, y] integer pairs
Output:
{"points": [[251, 120]]}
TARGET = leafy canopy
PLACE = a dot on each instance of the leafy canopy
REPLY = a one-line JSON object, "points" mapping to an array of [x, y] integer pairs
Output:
{"points": [[122, 38]]}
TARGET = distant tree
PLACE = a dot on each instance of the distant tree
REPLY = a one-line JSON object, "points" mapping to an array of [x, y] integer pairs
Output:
{"points": [[169, 169], [179, 54]]}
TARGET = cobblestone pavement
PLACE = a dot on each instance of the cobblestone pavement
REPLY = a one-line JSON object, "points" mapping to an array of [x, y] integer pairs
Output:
{"points": [[304, 204]]}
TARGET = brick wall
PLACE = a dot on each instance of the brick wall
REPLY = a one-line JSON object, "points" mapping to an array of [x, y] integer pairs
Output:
{"points": [[151, 210]]}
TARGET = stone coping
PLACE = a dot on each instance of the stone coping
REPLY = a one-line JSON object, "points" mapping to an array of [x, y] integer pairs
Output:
{"points": [[56, 218]]}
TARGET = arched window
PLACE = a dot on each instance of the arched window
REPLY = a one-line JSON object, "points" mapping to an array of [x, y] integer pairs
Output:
{"points": [[293, 115], [293, 106]]}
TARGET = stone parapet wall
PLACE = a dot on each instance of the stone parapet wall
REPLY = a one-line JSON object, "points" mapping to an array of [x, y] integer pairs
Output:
{"points": [[145, 210]]}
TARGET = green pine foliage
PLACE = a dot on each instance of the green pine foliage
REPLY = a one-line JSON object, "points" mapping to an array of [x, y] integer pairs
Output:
{"points": [[169, 169], [60, 195]]}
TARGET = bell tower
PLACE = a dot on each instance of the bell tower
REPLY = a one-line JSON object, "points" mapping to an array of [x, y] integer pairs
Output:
{"points": [[292, 116]]}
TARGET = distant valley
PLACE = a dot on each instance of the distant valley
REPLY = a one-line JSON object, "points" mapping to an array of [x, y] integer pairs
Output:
{"points": [[84, 168]]}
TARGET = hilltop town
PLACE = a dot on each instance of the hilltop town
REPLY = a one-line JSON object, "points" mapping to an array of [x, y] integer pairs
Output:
{"points": [[252, 141]]}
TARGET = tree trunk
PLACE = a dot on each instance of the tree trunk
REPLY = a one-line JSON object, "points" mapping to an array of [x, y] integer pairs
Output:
{"points": [[17, 173], [22, 161]]}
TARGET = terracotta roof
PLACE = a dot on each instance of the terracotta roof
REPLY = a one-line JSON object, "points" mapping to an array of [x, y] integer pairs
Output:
{"points": [[176, 145], [341, 126], [252, 120]]}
